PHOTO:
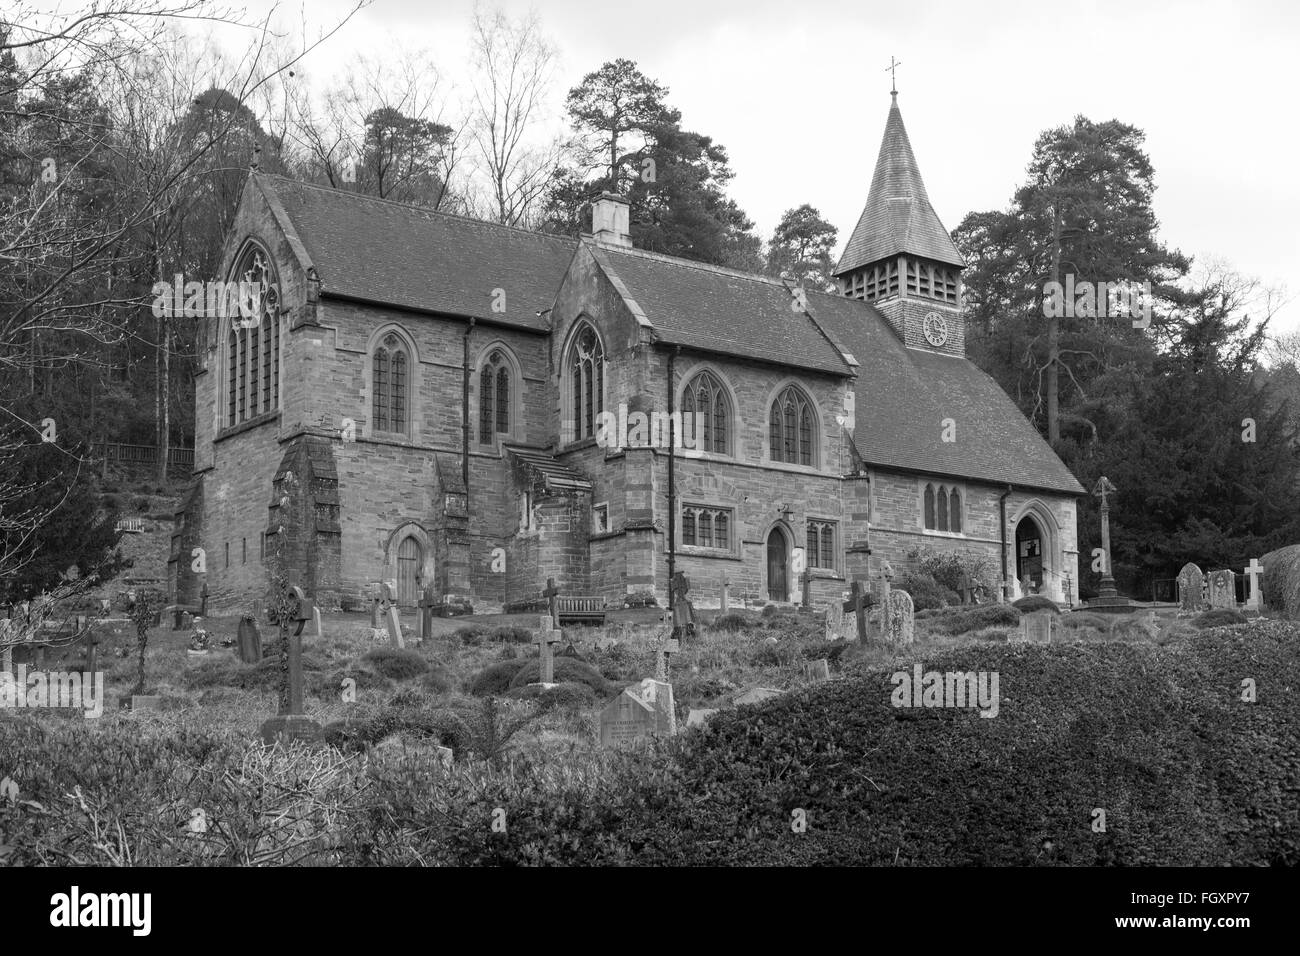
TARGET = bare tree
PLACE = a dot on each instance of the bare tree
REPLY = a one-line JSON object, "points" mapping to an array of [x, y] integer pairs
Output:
{"points": [[514, 67]]}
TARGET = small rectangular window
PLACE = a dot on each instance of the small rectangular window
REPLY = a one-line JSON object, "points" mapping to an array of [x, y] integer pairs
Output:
{"points": [[600, 519]]}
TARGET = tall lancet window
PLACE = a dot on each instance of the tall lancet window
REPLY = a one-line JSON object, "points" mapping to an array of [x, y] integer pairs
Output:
{"points": [[253, 339], [706, 399], [791, 428], [586, 370], [390, 394], [494, 397]]}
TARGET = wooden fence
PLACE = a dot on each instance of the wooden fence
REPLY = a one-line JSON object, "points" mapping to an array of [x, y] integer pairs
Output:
{"points": [[133, 456]]}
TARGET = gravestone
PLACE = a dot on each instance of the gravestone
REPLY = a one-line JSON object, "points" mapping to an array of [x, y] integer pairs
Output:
{"points": [[249, 641], [662, 652], [392, 621], [757, 695], [428, 602], [637, 713], [445, 757], [857, 604], [900, 622], [838, 626], [1254, 598], [1223, 589], [817, 671], [1036, 626], [552, 595], [724, 603], [546, 637], [682, 609], [292, 722], [698, 715], [1190, 584]]}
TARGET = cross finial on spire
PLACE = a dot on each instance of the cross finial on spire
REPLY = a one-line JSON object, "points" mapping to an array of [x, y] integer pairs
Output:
{"points": [[893, 65]]}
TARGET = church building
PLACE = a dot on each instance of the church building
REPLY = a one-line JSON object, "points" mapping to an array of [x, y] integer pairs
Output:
{"points": [[470, 409]]}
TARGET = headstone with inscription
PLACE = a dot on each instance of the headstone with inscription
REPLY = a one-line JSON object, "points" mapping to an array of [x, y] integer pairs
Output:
{"points": [[1036, 626], [1223, 589], [1190, 584], [637, 713], [698, 715], [900, 622]]}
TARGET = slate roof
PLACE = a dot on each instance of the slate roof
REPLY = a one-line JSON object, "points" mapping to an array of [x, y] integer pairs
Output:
{"points": [[404, 256], [898, 216], [903, 396], [555, 476], [415, 258], [721, 310]]}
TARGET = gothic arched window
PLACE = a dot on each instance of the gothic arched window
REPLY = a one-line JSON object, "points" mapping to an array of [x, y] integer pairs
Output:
{"points": [[706, 399], [389, 392], [942, 508], [253, 342], [494, 397], [585, 367], [790, 428]]}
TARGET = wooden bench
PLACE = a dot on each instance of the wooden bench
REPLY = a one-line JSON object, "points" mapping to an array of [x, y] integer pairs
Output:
{"points": [[580, 609]]}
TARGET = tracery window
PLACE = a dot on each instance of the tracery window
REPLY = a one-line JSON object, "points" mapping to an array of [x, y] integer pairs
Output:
{"points": [[494, 397], [790, 427], [706, 398], [941, 508], [253, 340], [389, 385], [586, 370]]}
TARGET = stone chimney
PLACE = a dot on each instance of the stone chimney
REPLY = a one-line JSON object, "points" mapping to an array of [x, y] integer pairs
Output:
{"points": [[609, 221]]}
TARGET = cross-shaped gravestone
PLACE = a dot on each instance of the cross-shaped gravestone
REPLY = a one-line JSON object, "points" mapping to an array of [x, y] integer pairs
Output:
{"points": [[427, 604], [391, 618], [1254, 599], [544, 639], [857, 603], [662, 652], [291, 723], [552, 595]]}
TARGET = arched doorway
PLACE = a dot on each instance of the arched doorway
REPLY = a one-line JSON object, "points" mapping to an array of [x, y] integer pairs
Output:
{"points": [[410, 558], [1029, 555], [778, 562]]}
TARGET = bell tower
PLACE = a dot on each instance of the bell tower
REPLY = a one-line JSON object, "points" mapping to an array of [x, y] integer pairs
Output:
{"points": [[900, 258]]}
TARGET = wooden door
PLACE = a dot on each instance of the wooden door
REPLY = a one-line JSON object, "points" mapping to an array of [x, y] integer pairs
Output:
{"points": [[778, 586], [409, 560]]}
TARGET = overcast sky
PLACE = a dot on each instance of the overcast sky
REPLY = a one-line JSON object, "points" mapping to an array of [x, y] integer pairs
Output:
{"points": [[798, 92]]}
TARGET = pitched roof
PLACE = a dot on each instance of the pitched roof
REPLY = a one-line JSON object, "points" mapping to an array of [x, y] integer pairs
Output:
{"points": [[898, 216], [415, 258], [721, 310], [555, 476], [903, 395]]}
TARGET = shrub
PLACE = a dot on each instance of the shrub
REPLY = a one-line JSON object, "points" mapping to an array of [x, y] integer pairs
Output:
{"points": [[831, 650], [568, 695], [733, 622], [471, 635], [1035, 602], [1219, 617], [494, 680], [641, 599], [926, 592], [773, 655], [438, 680], [1280, 583], [398, 663], [512, 635], [949, 566], [142, 504], [567, 670], [954, 621]]}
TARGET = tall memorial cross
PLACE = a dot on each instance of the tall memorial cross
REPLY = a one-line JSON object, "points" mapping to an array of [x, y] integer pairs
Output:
{"points": [[427, 603], [1101, 490], [663, 651], [546, 637], [552, 595], [291, 723], [392, 620], [1254, 600], [857, 604]]}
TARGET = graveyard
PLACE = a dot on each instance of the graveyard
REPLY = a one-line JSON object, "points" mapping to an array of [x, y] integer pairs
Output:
{"points": [[394, 736]]}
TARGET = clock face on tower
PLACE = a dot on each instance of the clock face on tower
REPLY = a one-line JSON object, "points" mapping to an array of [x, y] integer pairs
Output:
{"points": [[936, 329]]}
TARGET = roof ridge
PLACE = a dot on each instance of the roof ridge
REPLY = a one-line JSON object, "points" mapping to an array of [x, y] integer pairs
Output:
{"points": [[703, 266], [566, 240]]}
